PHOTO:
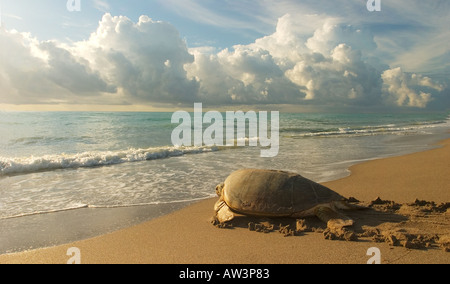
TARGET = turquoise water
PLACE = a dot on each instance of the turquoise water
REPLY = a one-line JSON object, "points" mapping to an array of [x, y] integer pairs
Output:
{"points": [[55, 161]]}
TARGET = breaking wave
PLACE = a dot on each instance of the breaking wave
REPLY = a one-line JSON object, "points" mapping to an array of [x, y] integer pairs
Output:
{"points": [[5, 216], [363, 130], [17, 166]]}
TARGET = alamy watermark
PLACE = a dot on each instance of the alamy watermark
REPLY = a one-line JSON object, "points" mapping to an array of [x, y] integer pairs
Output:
{"points": [[375, 254], [73, 5], [190, 132], [374, 5], [75, 256]]}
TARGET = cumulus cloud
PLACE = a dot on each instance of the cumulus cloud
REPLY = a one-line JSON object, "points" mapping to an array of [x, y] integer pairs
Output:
{"points": [[408, 89], [287, 43], [148, 62], [244, 75], [121, 62], [144, 60], [34, 72], [327, 37], [289, 67], [66, 71], [341, 78], [16, 62], [332, 66]]}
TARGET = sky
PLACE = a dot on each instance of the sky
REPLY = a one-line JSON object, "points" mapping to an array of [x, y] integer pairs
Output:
{"points": [[164, 54]]}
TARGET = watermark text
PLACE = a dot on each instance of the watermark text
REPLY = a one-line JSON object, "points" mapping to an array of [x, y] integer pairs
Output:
{"points": [[374, 5], [73, 5], [190, 132], [75, 256], [375, 254]]}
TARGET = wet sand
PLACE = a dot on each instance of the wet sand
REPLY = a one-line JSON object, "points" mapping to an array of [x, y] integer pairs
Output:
{"points": [[408, 223]]}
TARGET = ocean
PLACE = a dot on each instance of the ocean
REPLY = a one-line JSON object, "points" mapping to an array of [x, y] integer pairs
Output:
{"points": [[58, 161]]}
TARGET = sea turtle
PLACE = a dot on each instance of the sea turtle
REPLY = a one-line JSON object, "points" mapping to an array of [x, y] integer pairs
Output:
{"points": [[269, 193]]}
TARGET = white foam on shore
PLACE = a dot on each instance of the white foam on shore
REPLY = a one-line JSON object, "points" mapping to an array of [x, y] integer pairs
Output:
{"points": [[14, 166], [372, 130], [84, 206]]}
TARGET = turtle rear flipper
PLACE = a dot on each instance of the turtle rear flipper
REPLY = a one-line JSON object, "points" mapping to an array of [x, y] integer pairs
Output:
{"points": [[223, 212], [333, 219]]}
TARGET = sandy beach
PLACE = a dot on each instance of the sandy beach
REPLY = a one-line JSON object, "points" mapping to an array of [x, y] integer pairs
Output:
{"points": [[403, 229]]}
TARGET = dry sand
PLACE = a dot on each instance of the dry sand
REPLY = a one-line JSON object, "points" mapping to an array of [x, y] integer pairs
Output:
{"points": [[403, 229]]}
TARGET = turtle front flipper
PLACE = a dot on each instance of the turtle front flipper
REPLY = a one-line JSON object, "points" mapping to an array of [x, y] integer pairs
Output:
{"points": [[223, 212], [333, 219]]}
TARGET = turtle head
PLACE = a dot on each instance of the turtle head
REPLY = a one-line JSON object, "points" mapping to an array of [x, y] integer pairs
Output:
{"points": [[219, 189]]}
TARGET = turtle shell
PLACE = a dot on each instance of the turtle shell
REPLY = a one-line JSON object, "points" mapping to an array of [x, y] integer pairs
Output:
{"points": [[274, 193]]}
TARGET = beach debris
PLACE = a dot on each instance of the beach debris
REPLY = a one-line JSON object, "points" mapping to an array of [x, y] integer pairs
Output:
{"points": [[409, 241], [401, 238], [270, 193], [353, 200], [216, 223], [417, 206], [301, 226], [286, 231], [444, 243], [386, 205], [430, 206], [342, 234], [264, 227]]}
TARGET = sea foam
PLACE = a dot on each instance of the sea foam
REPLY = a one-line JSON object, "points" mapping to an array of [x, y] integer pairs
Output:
{"points": [[365, 130], [15, 166]]}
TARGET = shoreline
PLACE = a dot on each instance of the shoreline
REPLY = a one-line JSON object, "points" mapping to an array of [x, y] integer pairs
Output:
{"points": [[389, 174], [186, 236], [52, 229]]}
